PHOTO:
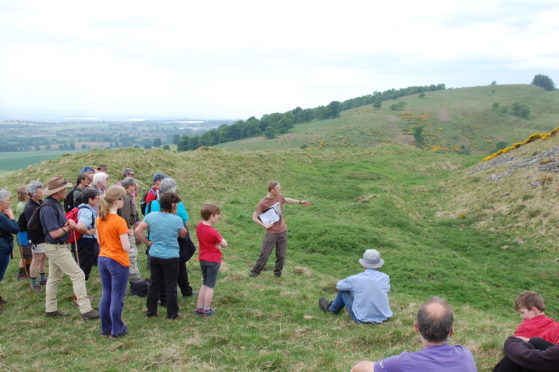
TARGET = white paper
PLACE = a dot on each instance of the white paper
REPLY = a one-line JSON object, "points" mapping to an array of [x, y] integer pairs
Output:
{"points": [[269, 217]]}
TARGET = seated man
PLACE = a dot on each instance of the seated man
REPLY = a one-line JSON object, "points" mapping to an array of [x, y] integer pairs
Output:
{"points": [[364, 295], [434, 325], [526, 355]]}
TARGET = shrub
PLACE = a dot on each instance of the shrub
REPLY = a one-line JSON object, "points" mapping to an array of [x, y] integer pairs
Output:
{"points": [[544, 81]]}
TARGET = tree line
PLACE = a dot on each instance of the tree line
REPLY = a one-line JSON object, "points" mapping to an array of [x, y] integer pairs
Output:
{"points": [[271, 125]]}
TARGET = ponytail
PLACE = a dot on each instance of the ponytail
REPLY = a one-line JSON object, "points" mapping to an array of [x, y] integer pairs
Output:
{"points": [[108, 198]]}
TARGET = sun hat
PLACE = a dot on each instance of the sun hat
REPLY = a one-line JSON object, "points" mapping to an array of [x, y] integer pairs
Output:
{"points": [[371, 259], [87, 169], [55, 184]]}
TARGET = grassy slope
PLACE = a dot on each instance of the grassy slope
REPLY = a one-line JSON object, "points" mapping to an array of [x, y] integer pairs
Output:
{"points": [[459, 117], [270, 324]]}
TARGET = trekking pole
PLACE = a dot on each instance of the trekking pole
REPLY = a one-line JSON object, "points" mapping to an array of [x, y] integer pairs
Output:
{"points": [[24, 265], [76, 247]]}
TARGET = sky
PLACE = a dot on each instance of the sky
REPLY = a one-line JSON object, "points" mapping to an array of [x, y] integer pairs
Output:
{"points": [[236, 59]]}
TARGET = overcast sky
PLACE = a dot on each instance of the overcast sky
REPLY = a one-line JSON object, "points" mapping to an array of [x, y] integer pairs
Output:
{"points": [[235, 59]]}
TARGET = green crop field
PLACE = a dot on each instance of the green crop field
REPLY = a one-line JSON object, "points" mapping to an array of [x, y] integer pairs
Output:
{"points": [[10, 161], [385, 197]]}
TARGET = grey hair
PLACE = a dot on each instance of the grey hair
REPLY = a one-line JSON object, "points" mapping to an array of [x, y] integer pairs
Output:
{"points": [[126, 171], [33, 186], [128, 181], [167, 185], [98, 177], [4, 195], [435, 325]]}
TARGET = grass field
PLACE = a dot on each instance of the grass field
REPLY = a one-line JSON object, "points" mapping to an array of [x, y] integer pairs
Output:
{"points": [[384, 197], [458, 117], [10, 161]]}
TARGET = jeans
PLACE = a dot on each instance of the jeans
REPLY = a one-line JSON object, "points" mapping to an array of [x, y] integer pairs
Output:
{"points": [[114, 278], [5, 254], [87, 254], [343, 299], [164, 271], [279, 241]]}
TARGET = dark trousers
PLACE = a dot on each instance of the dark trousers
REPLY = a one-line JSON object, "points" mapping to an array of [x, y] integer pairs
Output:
{"points": [[182, 282], [88, 250], [507, 365], [164, 271], [279, 241]]}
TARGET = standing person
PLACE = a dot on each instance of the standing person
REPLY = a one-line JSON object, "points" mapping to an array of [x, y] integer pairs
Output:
{"points": [[102, 168], [364, 295], [87, 245], [56, 234], [26, 254], [153, 193], [434, 325], [211, 243], [8, 226], [35, 191], [276, 233], [129, 173], [87, 170], [130, 215], [81, 183], [112, 233], [164, 227], [100, 182], [186, 247]]}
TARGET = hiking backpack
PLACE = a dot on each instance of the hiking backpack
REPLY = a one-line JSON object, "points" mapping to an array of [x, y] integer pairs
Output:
{"points": [[144, 204], [73, 215], [69, 201], [34, 226]]}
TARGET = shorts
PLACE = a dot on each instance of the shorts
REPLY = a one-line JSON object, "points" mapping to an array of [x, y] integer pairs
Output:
{"points": [[209, 272], [26, 253], [39, 248]]}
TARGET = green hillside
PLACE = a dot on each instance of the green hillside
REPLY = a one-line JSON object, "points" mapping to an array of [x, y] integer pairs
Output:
{"points": [[460, 120], [388, 197]]}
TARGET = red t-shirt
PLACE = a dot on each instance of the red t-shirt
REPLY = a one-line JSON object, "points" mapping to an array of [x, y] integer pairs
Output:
{"points": [[539, 326], [208, 239], [276, 203]]}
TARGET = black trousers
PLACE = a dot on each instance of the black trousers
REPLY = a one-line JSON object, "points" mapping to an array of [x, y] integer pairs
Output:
{"points": [[164, 271], [88, 251], [507, 365], [182, 282]]}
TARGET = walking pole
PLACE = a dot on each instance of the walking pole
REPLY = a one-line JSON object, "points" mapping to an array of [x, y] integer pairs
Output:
{"points": [[24, 265], [76, 247]]}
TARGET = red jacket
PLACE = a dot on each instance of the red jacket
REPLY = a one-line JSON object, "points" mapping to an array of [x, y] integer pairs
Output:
{"points": [[539, 326]]}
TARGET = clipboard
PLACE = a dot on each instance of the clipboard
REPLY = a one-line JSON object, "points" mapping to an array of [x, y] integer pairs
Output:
{"points": [[269, 217]]}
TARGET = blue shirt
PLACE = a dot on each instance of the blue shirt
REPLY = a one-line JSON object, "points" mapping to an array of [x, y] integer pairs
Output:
{"points": [[164, 230], [53, 218], [439, 358], [87, 216], [181, 210], [370, 295]]}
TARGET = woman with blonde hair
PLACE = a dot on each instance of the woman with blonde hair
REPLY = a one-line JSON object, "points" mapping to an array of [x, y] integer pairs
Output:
{"points": [[112, 234]]}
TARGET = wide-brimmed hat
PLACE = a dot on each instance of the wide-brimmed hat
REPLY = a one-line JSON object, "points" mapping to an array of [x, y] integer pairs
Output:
{"points": [[371, 259], [55, 184]]}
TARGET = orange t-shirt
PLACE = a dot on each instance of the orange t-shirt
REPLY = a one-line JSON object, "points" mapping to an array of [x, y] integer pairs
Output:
{"points": [[109, 232]]}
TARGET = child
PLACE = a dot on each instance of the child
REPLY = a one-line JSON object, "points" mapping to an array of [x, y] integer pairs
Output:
{"points": [[211, 243], [531, 307]]}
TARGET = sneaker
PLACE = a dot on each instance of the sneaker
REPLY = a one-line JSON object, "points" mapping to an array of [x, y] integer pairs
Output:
{"points": [[90, 315], [205, 313], [324, 304], [56, 314], [36, 288], [199, 311]]}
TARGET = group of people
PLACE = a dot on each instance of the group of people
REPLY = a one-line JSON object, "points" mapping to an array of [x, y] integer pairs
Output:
{"points": [[104, 228]]}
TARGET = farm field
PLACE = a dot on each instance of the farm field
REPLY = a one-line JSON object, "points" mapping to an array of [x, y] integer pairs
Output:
{"points": [[386, 197], [10, 161]]}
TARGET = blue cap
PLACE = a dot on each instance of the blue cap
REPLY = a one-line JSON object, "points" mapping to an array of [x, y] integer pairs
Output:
{"points": [[87, 169], [158, 177]]}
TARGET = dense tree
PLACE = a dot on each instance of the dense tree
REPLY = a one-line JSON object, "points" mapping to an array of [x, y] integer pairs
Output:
{"points": [[156, 142], [544, 81]]}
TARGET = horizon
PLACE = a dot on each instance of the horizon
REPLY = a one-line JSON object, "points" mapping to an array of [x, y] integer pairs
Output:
{"points": [[233, 61]]}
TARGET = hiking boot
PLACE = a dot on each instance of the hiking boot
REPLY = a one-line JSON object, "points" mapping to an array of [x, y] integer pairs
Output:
{"points": [[21, 276], [90, 315], [56, 314], [36, 288], [324, 304]]}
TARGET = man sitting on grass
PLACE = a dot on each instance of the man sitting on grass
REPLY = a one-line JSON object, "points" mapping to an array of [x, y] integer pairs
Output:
{"points": [[434, 325], [364, 295]]}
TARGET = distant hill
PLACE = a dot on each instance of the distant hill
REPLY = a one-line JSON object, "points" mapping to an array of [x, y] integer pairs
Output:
{"points": [[459, 120]]}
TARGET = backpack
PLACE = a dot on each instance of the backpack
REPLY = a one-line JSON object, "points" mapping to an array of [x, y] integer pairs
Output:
{"points": [[34, 227], [139, 288], [69, 201], [73, 215], [144, 204]]}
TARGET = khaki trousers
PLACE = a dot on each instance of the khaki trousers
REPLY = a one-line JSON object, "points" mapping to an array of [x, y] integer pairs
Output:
{"points": [[61, 262], [134, 272]]}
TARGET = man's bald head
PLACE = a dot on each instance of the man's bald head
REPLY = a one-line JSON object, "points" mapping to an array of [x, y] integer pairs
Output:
{"points": [[435, 319]]}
